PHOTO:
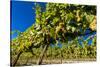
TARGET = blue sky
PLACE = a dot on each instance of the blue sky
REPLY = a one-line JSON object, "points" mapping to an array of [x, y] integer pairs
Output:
{"points": [[22, 16]]}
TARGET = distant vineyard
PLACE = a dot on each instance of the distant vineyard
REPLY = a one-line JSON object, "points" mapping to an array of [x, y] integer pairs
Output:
{"points": [[65, 54]]}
